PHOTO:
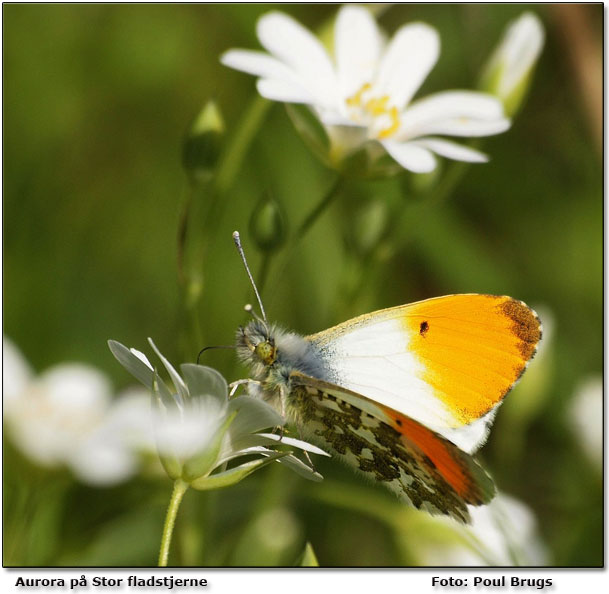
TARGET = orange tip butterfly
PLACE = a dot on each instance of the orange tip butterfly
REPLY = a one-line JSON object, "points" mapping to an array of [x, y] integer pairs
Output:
{"points": [[404, 395]]}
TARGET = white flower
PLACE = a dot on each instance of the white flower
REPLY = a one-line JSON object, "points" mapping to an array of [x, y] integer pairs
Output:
{"points": [[67, 416], [198, 430], [509, 68], [366, 93], [503, 533], [585, 415]]}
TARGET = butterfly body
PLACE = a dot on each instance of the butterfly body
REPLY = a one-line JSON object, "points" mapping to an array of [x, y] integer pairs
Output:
{"points": [[403, 395]]}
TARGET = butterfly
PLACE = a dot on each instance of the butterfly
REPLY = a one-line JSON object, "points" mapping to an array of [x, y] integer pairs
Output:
{"points": [[404, 395]]}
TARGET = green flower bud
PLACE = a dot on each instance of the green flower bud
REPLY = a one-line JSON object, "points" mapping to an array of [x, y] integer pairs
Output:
{"points": [[202, 144], [267, 225], [367, 226], [508, 72]]}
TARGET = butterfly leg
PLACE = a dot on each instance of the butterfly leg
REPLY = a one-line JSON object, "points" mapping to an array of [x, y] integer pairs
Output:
{"points": [[304, 451], [234, 386]]}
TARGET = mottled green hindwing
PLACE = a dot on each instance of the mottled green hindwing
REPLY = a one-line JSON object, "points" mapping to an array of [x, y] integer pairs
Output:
{"points": [[367, 442]]}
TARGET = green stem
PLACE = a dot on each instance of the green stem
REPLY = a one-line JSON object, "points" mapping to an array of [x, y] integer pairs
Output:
{"points": [[231, 159], [429, 200], [264, 270], [318, 210], [307, 223], [179, 488], [203, 208]]}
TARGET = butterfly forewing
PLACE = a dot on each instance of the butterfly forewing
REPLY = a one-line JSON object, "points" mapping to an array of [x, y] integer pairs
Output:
{"points": [[419, 465], [446, 362]]}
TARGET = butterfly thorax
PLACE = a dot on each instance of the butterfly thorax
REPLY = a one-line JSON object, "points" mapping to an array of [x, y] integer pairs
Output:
{"points": [[272, 354]]}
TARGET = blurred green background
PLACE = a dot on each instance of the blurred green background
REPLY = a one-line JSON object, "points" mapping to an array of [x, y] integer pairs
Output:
{"points": [[97, 102]]}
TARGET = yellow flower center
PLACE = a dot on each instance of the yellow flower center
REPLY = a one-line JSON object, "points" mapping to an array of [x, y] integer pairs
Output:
{"points": [[374, 110]]}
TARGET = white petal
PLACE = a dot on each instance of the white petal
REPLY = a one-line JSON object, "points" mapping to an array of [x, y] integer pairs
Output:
{"points": [[102, 462], [76, 389], [279, 90], [466, 127], [16, 373], [411, 55], [451, 150], [410, 156], [142, 358], [519, 51], [423, 116], [300, 50], [256, 63], [357, 48], [332, 118], [60, 410]]}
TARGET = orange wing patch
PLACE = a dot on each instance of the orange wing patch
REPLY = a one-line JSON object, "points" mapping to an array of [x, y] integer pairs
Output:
{"points": [[458, 469], [473, 348]]}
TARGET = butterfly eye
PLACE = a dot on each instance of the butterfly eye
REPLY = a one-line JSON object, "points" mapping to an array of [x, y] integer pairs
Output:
{"points": [[266, 352]]}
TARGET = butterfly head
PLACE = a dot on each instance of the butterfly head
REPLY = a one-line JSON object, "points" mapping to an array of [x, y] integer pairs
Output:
{"points": [[256, 344]]}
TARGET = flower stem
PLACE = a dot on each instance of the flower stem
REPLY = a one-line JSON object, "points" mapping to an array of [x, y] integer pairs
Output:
{"points": [[230, 161], [318, 210], [304, 227], [179, 488], [264, 270]]}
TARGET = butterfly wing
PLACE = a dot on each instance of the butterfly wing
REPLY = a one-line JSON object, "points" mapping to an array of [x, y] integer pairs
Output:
{"points": [[421, 466], [445, 362]]}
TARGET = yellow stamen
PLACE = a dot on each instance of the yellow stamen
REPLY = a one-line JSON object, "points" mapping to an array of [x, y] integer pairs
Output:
{"points": [[377, 106], [395, 124], [356, 100]]}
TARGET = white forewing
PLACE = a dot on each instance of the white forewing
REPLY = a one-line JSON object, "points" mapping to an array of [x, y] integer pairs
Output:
{"points": [[372, 357]]}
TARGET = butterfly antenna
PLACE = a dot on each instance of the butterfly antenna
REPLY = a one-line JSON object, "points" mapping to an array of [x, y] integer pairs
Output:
{"points": [[220, 346], [237, 240], [250, 310]]}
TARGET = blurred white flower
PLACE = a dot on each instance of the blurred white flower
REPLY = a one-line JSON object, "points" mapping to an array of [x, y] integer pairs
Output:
{"points": [[502, 533], [585, 416], [509, 69], [198, 430], [17, 374], [364, 97], [67, 416]]}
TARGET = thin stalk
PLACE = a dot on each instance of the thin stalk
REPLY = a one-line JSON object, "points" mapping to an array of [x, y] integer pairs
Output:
{"points": [[321, 207], [179, 488], [263, 272], [431, 199], [203, 208], [318, 210], [230, 161]]}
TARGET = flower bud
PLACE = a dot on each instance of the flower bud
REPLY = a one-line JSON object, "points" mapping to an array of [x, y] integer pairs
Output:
{"points": [[508, 72], [202, 145], [267, 225]]}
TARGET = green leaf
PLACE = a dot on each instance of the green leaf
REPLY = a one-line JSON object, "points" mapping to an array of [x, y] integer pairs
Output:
{"points": [[136, 367], [299, 467], [205, 381], [133, 364], [162, 395], [308, 559], [290, 441], [254, 415], [172, 466], [234, 475], [178, 382]]}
